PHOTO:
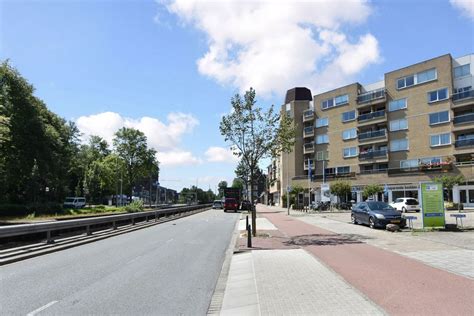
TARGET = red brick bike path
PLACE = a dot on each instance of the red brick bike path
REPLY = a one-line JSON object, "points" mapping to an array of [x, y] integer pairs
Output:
{"points": [[400, 285]]}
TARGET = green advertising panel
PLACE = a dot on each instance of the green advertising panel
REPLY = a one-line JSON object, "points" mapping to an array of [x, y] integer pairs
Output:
{"points": [[432, 204]]}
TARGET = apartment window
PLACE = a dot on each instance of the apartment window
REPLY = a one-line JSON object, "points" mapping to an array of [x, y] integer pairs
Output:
{"points": [[342, 99], [417, 78], [439, 117], [438, 95], [349, 133], [322, 139], [350, 152], [321, 155], [349, 116], [399, 145], [343, 170], [440, 139], [462, 71], [337, 101], [324, 121], [397, 105], [408, 164], [398, 125]]}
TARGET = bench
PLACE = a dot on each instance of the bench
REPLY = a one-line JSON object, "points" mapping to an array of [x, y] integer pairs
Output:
{"points": [[458, 216]]}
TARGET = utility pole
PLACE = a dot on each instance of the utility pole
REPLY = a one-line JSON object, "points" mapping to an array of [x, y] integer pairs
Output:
{"points": [[157, 182]]}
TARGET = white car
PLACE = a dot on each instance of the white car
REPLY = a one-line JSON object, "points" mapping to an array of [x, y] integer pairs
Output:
{"points": [[74, 202], [406, 204]]}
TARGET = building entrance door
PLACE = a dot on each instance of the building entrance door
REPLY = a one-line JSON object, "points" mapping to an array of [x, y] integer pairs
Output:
{"points": [[466, 196]]}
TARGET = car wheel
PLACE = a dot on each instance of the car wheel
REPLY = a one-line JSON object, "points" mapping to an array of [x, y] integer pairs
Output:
{"points": [[225, 211], [371, 222], [353, 219], [404, 210]]}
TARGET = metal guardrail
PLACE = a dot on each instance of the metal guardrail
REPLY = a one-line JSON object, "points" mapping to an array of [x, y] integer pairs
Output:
{"points": [[48, 227]]}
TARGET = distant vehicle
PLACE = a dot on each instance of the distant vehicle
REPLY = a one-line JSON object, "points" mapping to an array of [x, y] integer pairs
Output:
{"points": [[231, 204], [376, 214], [74, 202], [406, 204], [217, 204], [246, 205], [233, 193]]}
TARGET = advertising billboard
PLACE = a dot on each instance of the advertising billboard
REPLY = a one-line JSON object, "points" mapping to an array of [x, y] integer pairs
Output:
{"points": [[432, 204]]}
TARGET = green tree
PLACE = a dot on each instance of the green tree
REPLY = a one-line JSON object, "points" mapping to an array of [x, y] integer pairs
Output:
{"points": [[255, 134], [131, 147], [340, 189], [238, 183], [36, 148], [221, 186], [371, 190], [449, 182], [294, 193]]}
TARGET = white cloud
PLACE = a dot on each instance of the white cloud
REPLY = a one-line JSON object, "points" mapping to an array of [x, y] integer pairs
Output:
{"points": [[177, 158], [164, 137], [220, 154], [273, 45], [465, 6]]}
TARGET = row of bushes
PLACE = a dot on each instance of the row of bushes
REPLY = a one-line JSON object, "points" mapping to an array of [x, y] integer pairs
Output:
{"points": [[27, 209]]}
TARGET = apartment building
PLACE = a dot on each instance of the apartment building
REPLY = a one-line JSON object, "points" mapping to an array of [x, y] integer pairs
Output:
{"points": [[416, 124]]}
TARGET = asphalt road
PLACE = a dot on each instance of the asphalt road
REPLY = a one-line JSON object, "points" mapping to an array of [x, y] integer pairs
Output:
{"points": [[167, 269]]}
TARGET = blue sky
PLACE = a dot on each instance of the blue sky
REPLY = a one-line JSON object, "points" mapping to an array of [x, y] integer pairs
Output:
{"points": [[171, 67]]}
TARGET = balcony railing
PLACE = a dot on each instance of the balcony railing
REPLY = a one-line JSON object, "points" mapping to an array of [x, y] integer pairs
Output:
{"points": [[465, 118], [463, 95], [308, 115], [443, 166], [371, 116], [464, 142], [308, 148], [372, 134], [335, 175], [372, 154], [371, 96], [308, 131], [372, 171]]}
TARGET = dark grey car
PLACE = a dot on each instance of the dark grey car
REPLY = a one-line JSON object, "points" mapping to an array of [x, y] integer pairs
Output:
{"points": [[376, 214]]}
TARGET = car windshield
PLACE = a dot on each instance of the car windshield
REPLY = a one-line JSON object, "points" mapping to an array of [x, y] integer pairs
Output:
{"points": [[379, 206], [411, 202]]}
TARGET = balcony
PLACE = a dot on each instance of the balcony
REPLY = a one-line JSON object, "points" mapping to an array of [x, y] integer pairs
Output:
{"points": [[464, 95], [374, 95], [308, 115], [373, 154], [422, 168], [306, 165], [373, 171], [308, 131], [371, 116], [335, 175], [372, 134], [464, 118], [469, 142], [308, 148]]}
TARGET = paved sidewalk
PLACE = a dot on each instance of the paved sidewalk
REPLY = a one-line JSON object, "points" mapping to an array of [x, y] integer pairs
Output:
{"points": [[318, 271], [289, 282], [450, 251]]}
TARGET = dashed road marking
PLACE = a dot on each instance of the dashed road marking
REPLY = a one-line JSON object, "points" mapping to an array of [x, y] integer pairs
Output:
{"points": [[42, 308]]}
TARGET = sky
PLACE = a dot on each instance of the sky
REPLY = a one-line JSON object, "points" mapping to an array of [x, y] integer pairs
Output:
{"points": [[170, 67]]}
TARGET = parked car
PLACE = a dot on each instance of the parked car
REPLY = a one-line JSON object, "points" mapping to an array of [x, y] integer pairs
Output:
{"points": [[376, 214], [74, 202], [231, 204], [406, 204], [217, 204], [246, 205]]}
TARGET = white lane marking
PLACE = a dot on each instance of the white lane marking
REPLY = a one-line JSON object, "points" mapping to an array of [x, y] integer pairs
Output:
{"points": [[42, 308], [170, 240]]}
